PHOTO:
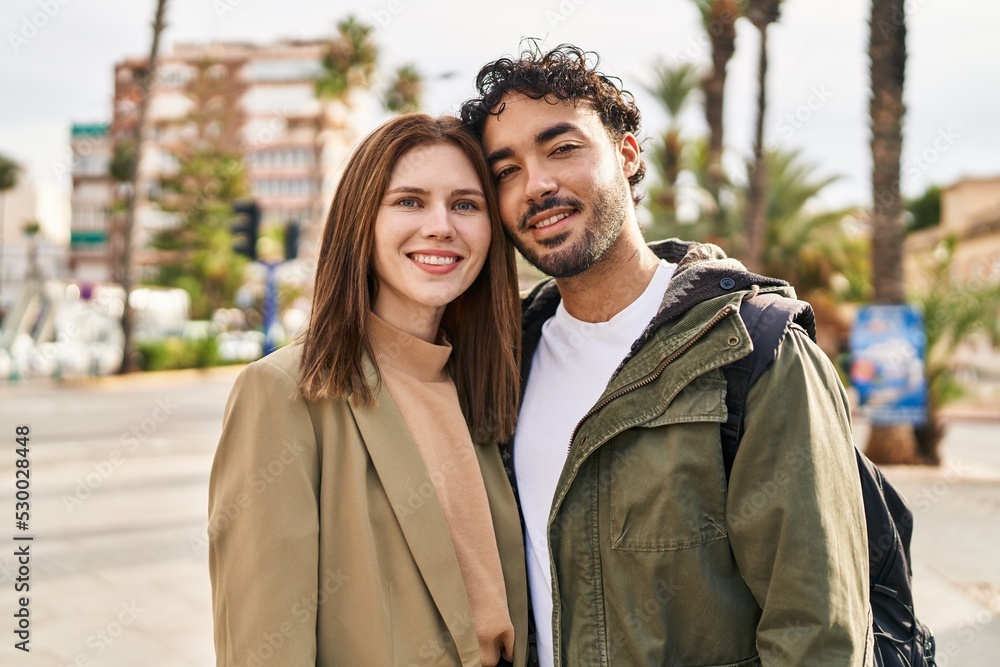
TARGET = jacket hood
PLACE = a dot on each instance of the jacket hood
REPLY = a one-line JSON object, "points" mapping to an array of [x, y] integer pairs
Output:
{"points": [[703, 272]]}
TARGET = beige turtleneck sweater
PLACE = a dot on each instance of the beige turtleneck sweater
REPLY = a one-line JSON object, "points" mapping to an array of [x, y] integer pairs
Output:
{"points": [[414, 373]]}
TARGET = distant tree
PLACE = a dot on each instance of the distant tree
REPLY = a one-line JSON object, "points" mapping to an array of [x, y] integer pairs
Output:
{"points": [[807, 248], [31, 229], [719, 21], [350, 62], [123, 162], [9, 171], [405, 90], [762, 13], [124, 272], [888, 443], [672, 87], [953, 314], [197, 254], [925, 210]]}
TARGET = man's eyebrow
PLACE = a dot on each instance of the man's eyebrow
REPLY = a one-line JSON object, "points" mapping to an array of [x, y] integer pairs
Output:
{"points": [[497, 155], [548, 134]]}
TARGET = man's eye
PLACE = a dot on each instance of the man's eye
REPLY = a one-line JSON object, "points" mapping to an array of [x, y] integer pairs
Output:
{"points": [[565, 148], [504, 173]]}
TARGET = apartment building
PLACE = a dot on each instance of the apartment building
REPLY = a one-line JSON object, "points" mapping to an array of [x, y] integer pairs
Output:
{"points": [[293, 143], [970, 213]]}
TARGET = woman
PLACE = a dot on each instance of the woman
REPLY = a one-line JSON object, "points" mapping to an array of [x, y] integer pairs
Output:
{"points": [[353, 519]]}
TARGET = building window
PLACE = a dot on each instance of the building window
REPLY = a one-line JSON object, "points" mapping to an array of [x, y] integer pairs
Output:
{"points": [[284, 70], [285, 157], [283, 187]]}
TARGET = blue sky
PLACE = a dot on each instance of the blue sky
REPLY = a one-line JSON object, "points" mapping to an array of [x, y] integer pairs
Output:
{"points": [[62, 72]]}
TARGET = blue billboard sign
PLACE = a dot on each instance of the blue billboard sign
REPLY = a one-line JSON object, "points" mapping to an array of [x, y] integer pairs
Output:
{"points": [[888, 348]]}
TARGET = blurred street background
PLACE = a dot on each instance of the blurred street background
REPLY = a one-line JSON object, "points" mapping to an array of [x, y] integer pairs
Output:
{"points": [[166, 167], [120, 493]]}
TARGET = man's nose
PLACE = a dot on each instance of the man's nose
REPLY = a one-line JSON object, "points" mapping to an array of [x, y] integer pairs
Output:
{"points": [[541, 183]]}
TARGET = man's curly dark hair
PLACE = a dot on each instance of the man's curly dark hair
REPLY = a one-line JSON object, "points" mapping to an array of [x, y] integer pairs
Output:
{"points": [[564, 73]]}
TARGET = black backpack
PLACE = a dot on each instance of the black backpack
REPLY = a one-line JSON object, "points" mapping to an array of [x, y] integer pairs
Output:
{"points": [[900, 639]]}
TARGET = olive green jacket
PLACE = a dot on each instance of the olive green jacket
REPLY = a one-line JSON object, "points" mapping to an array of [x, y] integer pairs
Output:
{"points": [[654, 560], [327, 545]]}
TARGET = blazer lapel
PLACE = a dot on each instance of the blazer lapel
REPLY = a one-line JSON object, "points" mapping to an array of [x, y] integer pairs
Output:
{"points": [[510, 540], [414, 501]]}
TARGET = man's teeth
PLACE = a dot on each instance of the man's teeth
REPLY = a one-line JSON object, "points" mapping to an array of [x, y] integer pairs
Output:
{"points": [[551, 221], [434, 259]]}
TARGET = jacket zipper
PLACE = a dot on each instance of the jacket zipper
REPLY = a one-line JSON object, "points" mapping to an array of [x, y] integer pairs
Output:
{"points": [[723, 314]]}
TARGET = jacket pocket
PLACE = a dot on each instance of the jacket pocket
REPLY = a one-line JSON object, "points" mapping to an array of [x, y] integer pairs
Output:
{"points": [[668, 488]]}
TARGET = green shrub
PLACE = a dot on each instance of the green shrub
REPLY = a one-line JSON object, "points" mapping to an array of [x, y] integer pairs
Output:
{"points": [[175, 353]]}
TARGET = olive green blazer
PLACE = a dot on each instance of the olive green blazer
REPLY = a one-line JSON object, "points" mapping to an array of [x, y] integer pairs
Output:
{"points": [[327, 544]]}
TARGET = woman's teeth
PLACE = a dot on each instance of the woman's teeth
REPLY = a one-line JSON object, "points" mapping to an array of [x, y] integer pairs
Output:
{"points": [[434, 259]]}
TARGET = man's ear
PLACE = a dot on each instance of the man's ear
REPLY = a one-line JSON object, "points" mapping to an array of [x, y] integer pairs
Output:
{"points": [[628, 150]]}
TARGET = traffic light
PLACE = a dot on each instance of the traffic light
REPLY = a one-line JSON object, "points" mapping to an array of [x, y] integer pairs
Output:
{"points": [[245, 227], [291, 240]]}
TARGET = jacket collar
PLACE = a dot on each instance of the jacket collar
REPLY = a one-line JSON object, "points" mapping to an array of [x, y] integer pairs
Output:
{"points": [[703, 272]]}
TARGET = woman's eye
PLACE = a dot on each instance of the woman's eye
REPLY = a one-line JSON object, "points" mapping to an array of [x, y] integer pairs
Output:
{"points": [[466, 205], [407, 202]]}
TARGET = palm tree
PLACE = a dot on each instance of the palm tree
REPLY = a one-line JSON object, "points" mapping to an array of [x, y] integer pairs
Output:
{"points": [[805, 248], [953, 313], [125, 278], [9, 171], [350, 61], [672, 88], [349, 64], [405, 90], [719, 20], [762, 13], [892, 443]]}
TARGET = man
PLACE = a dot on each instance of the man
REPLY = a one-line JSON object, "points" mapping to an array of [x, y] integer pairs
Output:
{"points": [[639, 550]]}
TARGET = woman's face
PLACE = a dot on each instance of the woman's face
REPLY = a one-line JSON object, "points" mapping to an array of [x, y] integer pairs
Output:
{"points": [[432, 234]]}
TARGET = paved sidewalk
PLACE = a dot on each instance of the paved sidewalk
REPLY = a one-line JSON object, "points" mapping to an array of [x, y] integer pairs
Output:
{"points": [[119, 566], [119, 570]]}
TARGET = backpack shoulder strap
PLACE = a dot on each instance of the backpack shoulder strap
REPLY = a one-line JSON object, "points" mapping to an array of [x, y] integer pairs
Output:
{"points": [[767, 317]]}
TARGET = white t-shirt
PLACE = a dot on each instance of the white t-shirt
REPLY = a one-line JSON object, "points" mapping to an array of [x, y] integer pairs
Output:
{"points": [[569, 372]]}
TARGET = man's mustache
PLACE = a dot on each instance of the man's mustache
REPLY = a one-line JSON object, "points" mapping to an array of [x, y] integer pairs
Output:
{"points": [[550, 202]]}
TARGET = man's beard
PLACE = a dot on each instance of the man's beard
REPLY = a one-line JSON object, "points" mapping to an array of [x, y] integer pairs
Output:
{"points": [[607, 216]]}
